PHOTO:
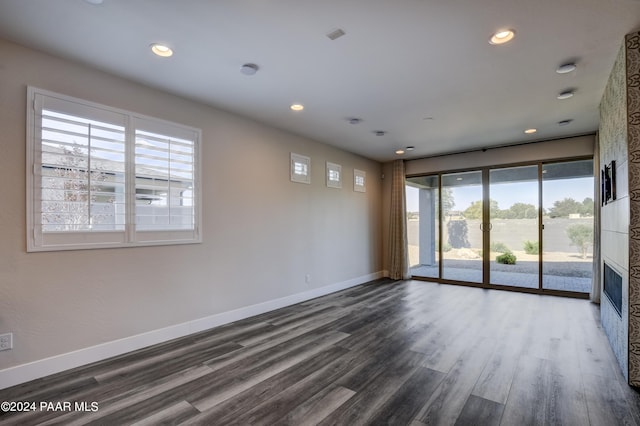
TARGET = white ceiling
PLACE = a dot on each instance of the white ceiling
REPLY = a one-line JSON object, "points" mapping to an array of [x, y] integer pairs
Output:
{"points": [[400, 62]]}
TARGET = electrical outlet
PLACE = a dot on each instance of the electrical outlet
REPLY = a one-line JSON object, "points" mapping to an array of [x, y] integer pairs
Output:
{"points": [[307, 278], [6, 341]]}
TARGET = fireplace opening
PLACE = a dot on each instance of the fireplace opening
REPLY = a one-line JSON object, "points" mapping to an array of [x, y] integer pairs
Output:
{"points": [[613, 287]]}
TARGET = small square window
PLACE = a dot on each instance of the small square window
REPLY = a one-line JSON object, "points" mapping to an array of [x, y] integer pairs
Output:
{"points": [[334, 175], [300, 168], [359, 180]]}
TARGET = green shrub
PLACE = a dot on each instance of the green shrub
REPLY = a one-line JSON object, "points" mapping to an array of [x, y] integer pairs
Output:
{"points": [[446, 247], [531, 247], [507, 258], [499, 247]]}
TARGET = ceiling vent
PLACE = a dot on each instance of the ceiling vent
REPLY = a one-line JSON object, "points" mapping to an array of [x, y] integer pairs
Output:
{"points": [[336, 34]]}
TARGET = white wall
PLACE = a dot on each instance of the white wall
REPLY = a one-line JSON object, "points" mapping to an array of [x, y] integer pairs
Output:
{"points": [[262, 233]]}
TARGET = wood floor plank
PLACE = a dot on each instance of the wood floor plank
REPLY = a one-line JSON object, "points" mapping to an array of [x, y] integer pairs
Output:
{"points": [[131, 397], [495, 380], [375, 359], [362, 407], [555, 397], [480, 412], [264, 403], [527, 400], [447, 401], [260, 353], [174, 414], [159, 366], [567, 403], [303, 401], [297, 327], [313, 411], [404, 405], [208, 400], [606, 402]]}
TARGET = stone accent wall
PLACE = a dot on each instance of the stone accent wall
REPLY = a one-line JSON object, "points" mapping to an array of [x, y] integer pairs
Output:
{"points": [[619, 138], [632, 43], [614, 220]]}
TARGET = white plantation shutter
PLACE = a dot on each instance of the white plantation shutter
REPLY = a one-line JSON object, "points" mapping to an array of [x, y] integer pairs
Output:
{"points": [[165, 184], [101, 177], [82, 172]]}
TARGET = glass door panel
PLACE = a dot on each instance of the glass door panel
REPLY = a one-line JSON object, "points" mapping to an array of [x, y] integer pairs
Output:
{"points": [[423, 231], [514, 224], [460, 224], [567, 258]]}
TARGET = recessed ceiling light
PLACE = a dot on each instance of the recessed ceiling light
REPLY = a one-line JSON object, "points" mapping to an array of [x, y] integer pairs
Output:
{"points": [[565, 122], [530, 131], [566, 68], [249, 69], [400, 151], [94, 1], [355, 120], [565, 95], [379, 132], [410, 148], [161, 50], [502, 36], [458, 178], [297, 107]]}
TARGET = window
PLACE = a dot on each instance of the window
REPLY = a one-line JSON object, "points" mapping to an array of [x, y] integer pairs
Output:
{"points": [[334, 175], [102, 177], [359, 180], [300, 168]]}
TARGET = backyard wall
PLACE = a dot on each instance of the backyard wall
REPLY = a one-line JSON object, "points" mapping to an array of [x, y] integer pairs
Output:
{"points": [[620, 220], [262, 233]]}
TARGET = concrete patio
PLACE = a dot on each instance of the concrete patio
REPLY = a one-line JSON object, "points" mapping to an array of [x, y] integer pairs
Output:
{"points": [[500, 275]]}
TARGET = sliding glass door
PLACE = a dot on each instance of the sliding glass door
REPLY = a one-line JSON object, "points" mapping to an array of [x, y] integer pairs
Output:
{"points": [[514, 224], [567, 259], [528, 226], [461, 226]]}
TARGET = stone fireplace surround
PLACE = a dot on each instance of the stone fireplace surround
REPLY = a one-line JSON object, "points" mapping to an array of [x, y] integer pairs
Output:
{"points": [[619, 141]]}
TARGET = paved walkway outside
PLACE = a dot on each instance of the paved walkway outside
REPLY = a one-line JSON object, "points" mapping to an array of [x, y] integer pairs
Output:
{"points": [[516, 279]]}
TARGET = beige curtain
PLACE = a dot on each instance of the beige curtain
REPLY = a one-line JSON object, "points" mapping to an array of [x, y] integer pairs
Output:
{"points": [[596, 287], [399, 264]]}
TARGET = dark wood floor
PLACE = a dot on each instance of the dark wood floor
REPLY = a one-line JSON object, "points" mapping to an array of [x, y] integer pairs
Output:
{"points": [[386, 352]]}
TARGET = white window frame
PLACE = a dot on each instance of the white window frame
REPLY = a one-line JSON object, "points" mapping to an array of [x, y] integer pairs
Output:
{"points": [[39, 240]]}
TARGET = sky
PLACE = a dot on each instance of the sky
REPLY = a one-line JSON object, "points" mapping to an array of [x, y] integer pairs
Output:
{"points": [[521, 192]]}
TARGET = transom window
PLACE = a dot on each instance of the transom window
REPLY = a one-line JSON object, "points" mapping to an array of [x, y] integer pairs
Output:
{"points": [[103, 177]]}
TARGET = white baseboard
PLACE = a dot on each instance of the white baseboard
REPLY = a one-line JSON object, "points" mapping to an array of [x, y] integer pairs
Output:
{"points": [[34, 370]]}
